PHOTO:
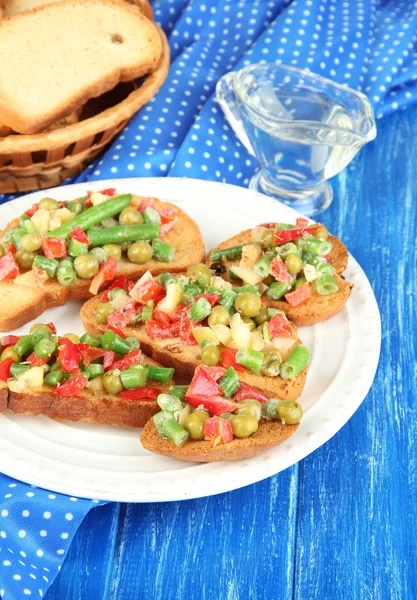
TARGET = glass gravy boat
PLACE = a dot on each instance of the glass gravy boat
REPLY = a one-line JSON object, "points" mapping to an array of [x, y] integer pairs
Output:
{"points": [[302, 128]]}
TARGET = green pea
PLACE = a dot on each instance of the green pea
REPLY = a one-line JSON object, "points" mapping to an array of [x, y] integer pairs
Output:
{"points": [[248, 304], [198, 271], [210, 355], [322, 233], [250, 322], [48, 204], [103, 311], [74, 338], [2, 251], [25, 259], [290, 411], [261, 317], [140, 253], [10, 352], [294, 264], [95, 385], [86, 266], [112, 383], [31, 242], [194, 424], [271, 364], [219, 316], [249, 407], [113, 250], [130, 216], [244, 425]]}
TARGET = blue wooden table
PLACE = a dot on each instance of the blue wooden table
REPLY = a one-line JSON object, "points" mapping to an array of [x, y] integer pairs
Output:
{"points": [[341, 523]]}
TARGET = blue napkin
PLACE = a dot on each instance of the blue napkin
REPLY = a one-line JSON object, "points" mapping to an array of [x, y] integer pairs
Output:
{"points": [[366, 44]]}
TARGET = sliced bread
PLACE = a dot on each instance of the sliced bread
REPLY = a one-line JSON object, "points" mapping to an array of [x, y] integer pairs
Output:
{"points": [[11, 7], [52, 73]]}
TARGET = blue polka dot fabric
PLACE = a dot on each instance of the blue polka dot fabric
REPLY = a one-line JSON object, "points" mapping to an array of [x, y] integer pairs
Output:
{"points": [[369, 45]]}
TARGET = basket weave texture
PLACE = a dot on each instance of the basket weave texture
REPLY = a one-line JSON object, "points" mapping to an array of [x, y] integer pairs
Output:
{"points": [[43, 160]]}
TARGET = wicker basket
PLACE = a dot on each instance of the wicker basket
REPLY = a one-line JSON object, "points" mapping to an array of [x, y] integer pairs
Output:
{"points": [[43, 160]]}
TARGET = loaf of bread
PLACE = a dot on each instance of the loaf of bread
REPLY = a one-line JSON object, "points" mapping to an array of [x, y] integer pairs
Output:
{"points": [[11, 7], [57, 73]]}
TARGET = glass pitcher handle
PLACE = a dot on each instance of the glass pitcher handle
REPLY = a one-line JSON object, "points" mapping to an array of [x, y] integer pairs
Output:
{"points": [[225, 96]]}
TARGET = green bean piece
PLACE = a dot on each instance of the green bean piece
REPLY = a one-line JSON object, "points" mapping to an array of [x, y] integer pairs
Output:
{"points": [[92, 340], [28, 224], [166, 279], [49, 265], [229, 382], [54, 377], [75, 207], [227, 298], [112, 341], [95, 369], [168, 428], [297, 360], [323, 266], [160, 374], [179, 391], [100, 254], [299, 281], [133, 378], [163, 251], [199, 310], [25, 345], [134, 343], [66, 275], [269, 410], [123, 233], [17, 369], [326, 284], [66, 262], [286, 249], [252, 289], [77, 248], [261, 267], [17, 235], [152, 216], [92, 216], [45, 348], [283, 226], [146, 314], [315, 246], [277, 290], [38, 333], [251, 359], [169, 403], [227, 253]]}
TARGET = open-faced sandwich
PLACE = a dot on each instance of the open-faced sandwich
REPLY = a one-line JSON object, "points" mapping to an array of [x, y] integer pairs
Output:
{"points": [[217, 417], [104, 379], [58, 251], [296, 266], [186, 320]]}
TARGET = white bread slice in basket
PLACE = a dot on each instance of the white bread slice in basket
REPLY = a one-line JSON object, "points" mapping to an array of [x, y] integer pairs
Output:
{"points": [[11, 7], [118, 44]]}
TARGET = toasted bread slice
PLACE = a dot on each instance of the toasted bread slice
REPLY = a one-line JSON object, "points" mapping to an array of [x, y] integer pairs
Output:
{"points": [[269, 434], [119, 44], [11, 7], [173, 352], [64, 122], [104, 410], [319, 308], [339, 253], [20, 303]]}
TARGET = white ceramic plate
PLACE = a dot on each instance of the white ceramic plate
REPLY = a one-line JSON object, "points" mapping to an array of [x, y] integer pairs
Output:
{"points": [[109, 463]]}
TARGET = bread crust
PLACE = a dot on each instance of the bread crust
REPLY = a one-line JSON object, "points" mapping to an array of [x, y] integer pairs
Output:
{"points": [[269, 434], [103, 410], [184, 359], [12, 7], [21, 122], [20, 304], [319, 308]]}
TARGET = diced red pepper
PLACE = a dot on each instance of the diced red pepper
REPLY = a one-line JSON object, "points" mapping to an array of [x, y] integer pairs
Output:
{"points": [[215, 373], [89, 353], [54, 247], [167, 227], [216, 405], [159, 332], [146, 203], [5, 366], [149, 290], [52, 328], [279, 326], [79, 235], [301, 222], [36, 361], [108, 192], [119, 282], [72, 386], [299, 296], [227, 359], [130, 286], [108, 359], [39, 277], [116, 330], [106, 273], [69, 355], [8, 267], [218, 431], [31, 211], [122, 317], [176, 315], [133, 358], [168, 213], [204, 383], [12, 248], [268, 225], [328, 258], [246, 391], [186, 329], [161, 317], [211, 298], [278, 270], [142, 393], [9, 340], [288, 235]]}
